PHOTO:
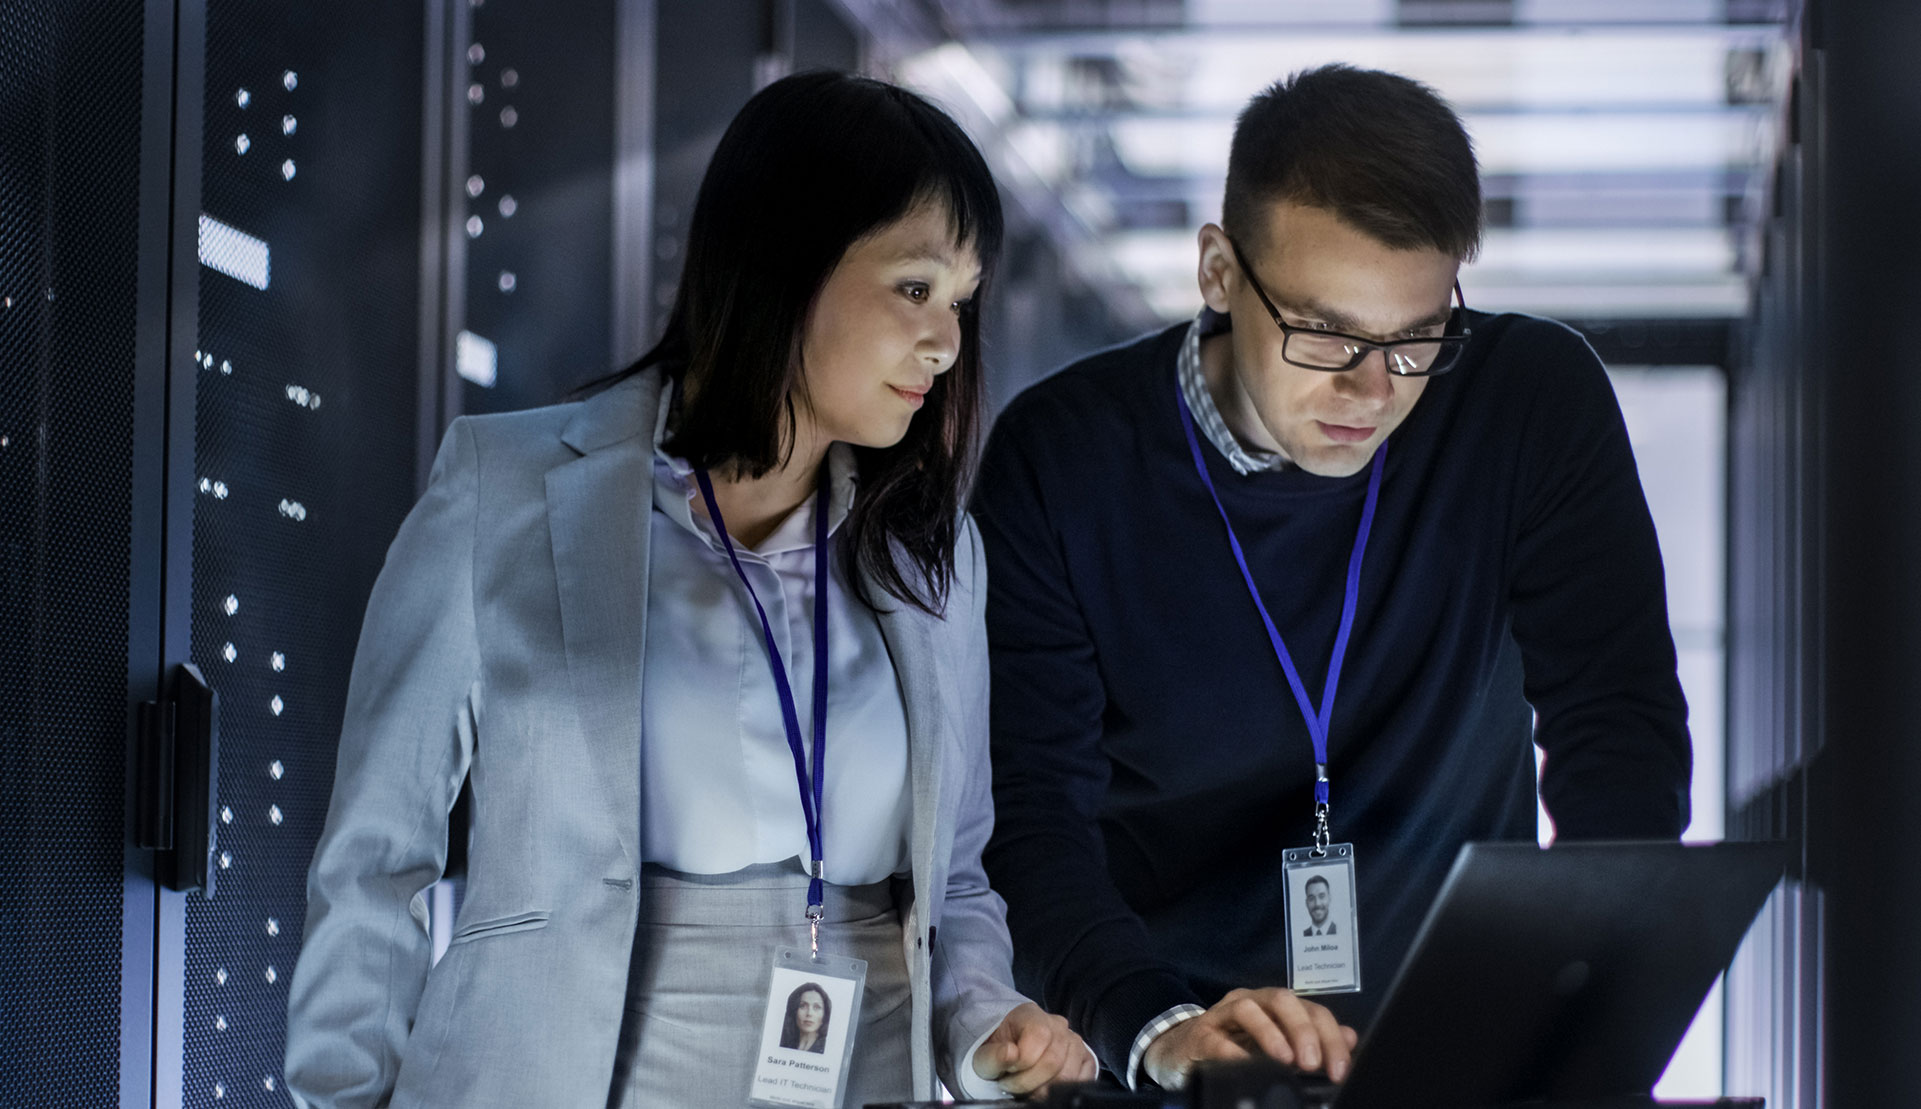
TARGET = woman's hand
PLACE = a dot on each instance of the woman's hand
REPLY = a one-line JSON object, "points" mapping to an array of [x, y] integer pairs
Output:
{"points": [[1031, 1049]]}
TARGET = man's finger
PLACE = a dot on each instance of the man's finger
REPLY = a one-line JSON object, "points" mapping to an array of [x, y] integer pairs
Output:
{"points": [[1248, 1016], [1298, 1023], [1334, 1045]]}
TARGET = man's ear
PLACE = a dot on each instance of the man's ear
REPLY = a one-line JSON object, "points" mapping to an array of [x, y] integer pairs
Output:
{"points": [[1218, 274]]}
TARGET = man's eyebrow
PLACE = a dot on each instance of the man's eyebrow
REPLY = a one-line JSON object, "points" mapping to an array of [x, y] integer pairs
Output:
{"points": [[1341, 321]]}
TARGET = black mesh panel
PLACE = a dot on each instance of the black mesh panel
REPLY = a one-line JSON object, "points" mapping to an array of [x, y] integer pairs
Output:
{"points": [[69, 159], [539, 95], [304, 465]]}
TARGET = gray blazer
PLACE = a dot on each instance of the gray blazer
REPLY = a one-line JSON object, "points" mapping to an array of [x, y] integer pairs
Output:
{"points": [[503, 645]]}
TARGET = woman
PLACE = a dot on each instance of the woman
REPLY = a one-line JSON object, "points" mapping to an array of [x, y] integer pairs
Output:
{"points": [[618, 620], [808, 1014]]}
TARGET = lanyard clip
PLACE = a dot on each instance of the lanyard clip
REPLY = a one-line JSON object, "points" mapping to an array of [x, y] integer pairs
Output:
{"points": [[816, 906], [1321, 835]]}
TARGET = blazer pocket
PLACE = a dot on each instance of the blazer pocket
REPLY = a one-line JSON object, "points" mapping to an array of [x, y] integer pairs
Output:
{"points": [[501, 926]]}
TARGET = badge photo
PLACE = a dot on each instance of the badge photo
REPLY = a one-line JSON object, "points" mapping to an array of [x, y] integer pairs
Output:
{"points": [[807, 1035], [1323, 928]]}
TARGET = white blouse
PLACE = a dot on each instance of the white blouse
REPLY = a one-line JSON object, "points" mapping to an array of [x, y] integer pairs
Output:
{"points": [[718, 791]]}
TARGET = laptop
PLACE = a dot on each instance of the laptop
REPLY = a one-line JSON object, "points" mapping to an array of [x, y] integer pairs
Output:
{"points": [[1564, 974]]}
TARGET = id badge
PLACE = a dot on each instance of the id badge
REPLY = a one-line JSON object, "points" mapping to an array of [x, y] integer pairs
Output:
{"points": [[1323, 928], [807, 1037]]}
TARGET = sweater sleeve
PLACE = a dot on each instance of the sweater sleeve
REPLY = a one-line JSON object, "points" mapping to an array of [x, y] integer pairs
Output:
{"points": [[1589, 608], [1078, 947]]}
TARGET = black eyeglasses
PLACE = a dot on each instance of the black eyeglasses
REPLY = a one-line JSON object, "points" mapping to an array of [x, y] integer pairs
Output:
{"points": [[1334, 351]]}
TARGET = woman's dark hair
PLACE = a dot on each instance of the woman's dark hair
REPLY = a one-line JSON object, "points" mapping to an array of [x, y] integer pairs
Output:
{"points": [[813, 163], [790, 1027], [1384, 153]]}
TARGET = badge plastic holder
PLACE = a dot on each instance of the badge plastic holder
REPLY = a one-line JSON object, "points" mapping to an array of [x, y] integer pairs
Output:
{"points": [[815, 1077], [1322, 958]]}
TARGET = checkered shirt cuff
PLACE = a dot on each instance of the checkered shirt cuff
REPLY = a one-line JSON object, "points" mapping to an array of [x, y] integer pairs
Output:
{"points": [[1177, 1015]]}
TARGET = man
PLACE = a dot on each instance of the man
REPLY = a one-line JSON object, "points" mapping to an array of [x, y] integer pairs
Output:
{"points": [[1445, 495], [1318, 895]]}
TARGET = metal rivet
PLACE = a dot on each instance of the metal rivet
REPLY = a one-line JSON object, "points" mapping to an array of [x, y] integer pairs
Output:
{"points": [[279, 663], [476, 93], [474, 227], [219, 1092], [243, 98], [206, 486], [476, 54], [290, 80], [220, 977], [286, 169], [507, 281], [509, 117], [272, 976], [226, 860], [229, 652], [233, 604], [273, 927], [219, 1023], [226, 814], [276, 770], [268, 1083], [508, 206], [475, 185], [273, 814], [226, 367], [288, 125], [242, 143], [207, 360], [220, 490], [277, 705], [509, 78]]}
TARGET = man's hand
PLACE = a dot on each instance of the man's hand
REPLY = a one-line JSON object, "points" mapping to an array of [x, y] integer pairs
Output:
{"points": [[1032, 1048], [1271, 1021]]}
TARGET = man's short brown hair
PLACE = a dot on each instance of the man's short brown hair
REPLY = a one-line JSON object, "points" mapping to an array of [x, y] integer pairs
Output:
{"points": [[1384, 153]]}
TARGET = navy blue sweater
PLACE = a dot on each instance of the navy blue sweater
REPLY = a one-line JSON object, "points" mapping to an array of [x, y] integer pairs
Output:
{"points": [[1150, 763]]}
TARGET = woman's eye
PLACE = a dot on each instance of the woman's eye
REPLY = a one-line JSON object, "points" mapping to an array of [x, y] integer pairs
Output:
{"points": [[962, 305], [916, 292]]}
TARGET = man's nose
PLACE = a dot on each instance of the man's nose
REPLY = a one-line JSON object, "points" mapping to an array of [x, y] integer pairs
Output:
{"points": [[1369, 380]]}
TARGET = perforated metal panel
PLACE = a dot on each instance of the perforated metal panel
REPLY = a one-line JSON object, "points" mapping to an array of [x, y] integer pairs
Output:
{"points": [[70, 95], [304, 466], [536, 201]]}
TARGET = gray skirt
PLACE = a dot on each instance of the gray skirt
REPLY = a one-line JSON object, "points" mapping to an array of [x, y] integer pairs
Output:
{"points": [[697, 991]]}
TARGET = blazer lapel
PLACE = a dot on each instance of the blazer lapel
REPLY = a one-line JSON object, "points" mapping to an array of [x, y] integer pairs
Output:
{"points": [[599, 510], [909, 635]]}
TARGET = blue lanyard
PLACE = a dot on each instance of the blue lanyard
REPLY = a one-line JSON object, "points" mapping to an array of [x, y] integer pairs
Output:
{"points": [[1317, 721], [810, 802]]}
